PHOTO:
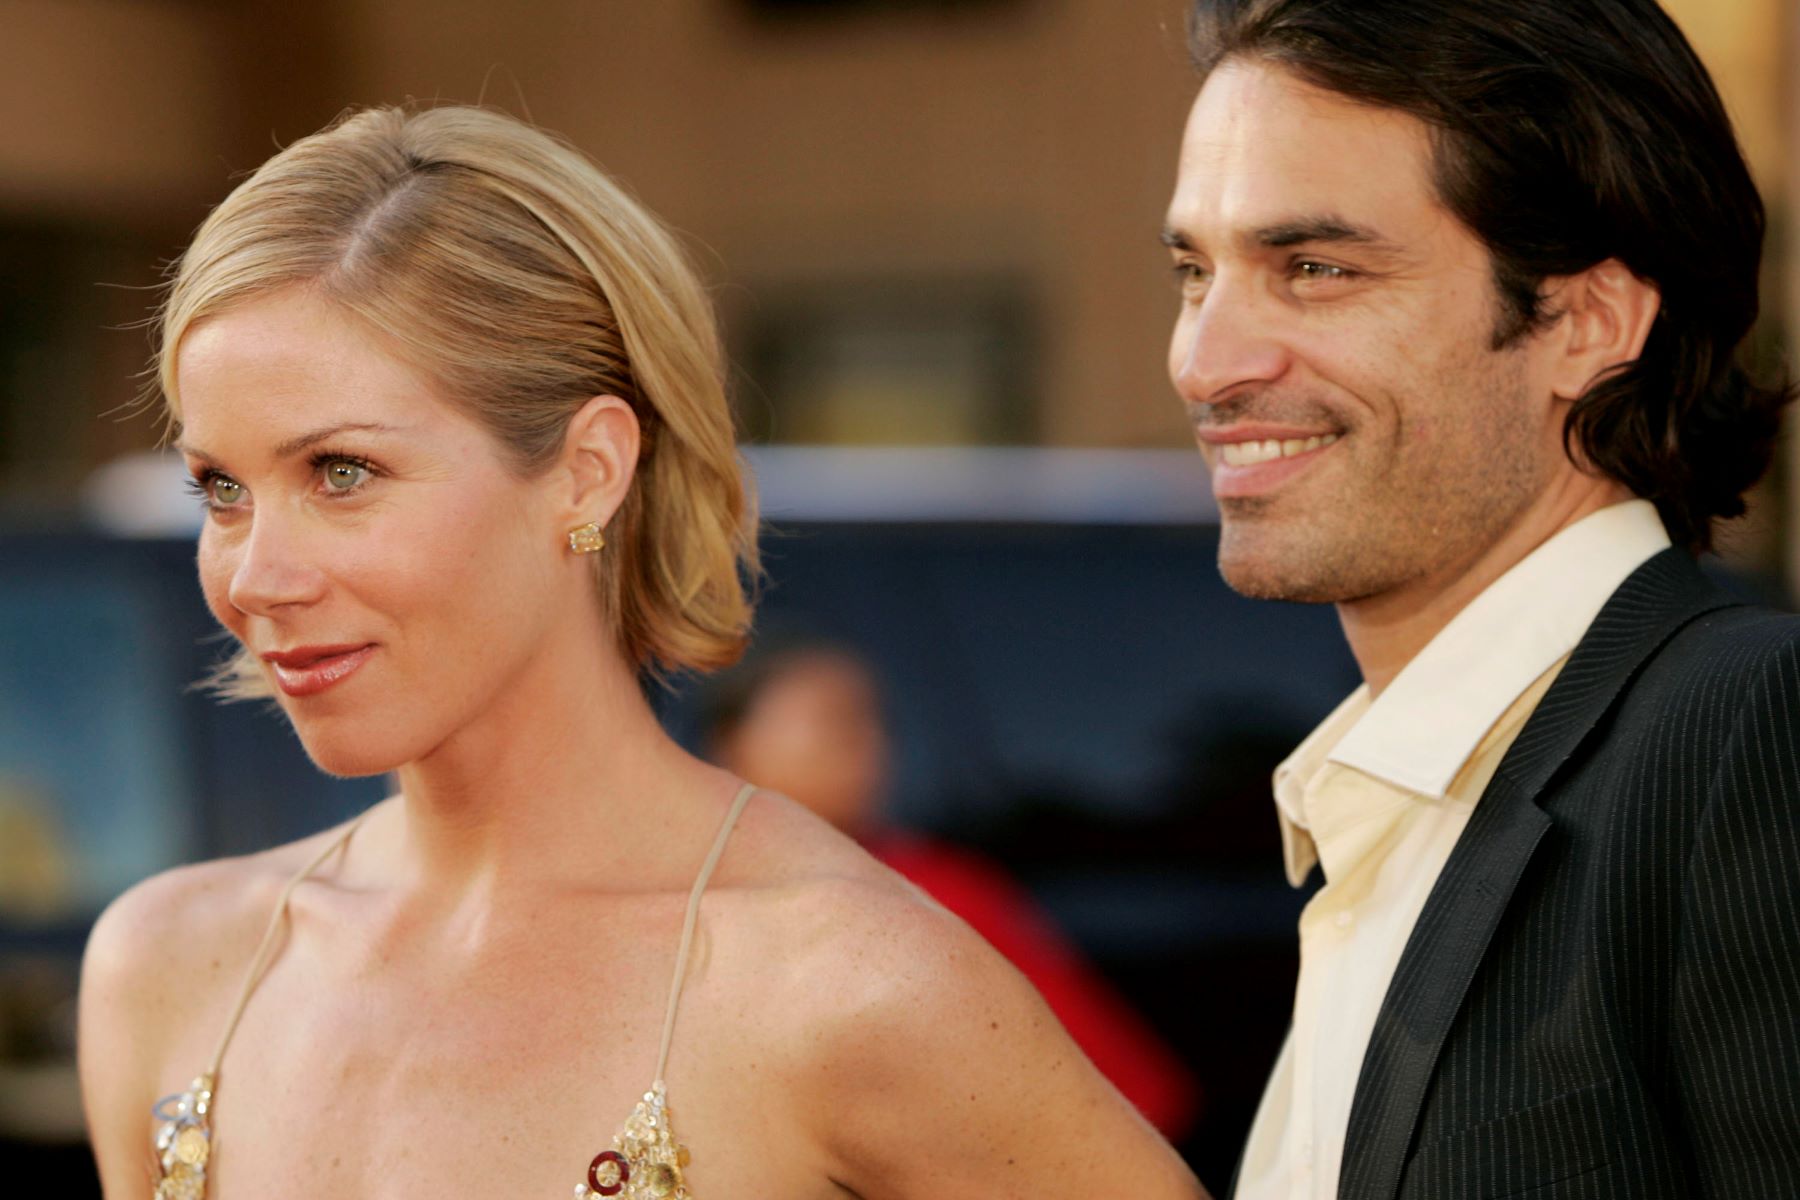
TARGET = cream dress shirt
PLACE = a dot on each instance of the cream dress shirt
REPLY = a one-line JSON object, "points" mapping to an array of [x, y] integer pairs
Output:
{"points": [[1377, 796]]}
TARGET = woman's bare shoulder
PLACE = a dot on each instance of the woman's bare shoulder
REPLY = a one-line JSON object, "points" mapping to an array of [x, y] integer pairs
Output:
{"points": [[894, 959], [852, 936], [909, 1044], [171, 944], [158, 979], [818, 892]]}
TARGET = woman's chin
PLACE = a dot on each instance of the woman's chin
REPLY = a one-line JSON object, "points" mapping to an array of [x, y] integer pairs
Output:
{"points": [[353, 757]]}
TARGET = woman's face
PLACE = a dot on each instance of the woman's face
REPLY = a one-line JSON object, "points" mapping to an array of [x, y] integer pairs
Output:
{"points": [[363, 539]]}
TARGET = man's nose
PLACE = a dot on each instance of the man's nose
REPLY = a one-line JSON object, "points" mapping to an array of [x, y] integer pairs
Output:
{"points": [[1226, 341], [274, 569]]}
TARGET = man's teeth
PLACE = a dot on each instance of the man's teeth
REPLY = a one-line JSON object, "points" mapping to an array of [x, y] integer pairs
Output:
{"points": [[1248, 454]]}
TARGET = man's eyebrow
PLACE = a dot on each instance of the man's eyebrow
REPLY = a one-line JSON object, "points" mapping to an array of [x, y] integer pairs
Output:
{"points": [[1297, 232], [1318, 229], [305, 441]]}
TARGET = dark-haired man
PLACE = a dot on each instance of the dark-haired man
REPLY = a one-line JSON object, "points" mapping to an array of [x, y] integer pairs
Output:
{"points": [[1462, 283]]}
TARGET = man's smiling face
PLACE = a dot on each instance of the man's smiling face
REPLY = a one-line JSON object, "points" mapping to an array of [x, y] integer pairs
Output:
{"points": [[1335, 348]]}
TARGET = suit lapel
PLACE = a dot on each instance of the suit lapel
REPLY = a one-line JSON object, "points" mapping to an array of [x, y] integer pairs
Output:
{"points": [[1470, 896], [1433, 975], [1657, 599]]}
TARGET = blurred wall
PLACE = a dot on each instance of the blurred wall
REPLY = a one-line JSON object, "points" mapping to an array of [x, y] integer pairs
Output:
{"points": [[1743, 45], [1027, 140], [1790, 103], [1030, 142], [1747, 45], [124, 122], [117, 111]]}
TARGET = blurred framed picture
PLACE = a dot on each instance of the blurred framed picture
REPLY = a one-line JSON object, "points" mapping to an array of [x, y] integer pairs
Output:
{"points": [[887, 362]]}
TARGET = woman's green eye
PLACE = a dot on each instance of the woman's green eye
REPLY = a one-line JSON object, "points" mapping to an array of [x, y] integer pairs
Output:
{"points": [[223, 492], [342, 475]]}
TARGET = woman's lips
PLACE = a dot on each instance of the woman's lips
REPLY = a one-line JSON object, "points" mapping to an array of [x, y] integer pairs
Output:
{"points": [[309, 670]]}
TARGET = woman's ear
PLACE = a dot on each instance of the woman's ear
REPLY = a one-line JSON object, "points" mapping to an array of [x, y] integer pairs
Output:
{"points": [[1607, 313], [599, 459]]}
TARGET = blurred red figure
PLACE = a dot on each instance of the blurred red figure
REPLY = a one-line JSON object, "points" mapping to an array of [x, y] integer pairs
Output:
{"points": [[806, 720]]}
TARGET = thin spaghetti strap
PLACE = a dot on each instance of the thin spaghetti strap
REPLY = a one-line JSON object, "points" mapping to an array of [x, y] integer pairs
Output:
{"points": [[265, 949], [690, 920]]}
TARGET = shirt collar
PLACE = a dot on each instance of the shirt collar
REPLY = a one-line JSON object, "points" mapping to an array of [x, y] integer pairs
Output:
{"points": [[1418, 734], [1298, 851], [1424, 726]]}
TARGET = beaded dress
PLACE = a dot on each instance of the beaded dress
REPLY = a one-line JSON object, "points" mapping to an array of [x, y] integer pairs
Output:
{"points": [[645, 1161]]}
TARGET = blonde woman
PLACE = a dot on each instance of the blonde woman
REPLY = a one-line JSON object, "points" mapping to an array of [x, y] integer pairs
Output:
{"points": [[453, 404]]}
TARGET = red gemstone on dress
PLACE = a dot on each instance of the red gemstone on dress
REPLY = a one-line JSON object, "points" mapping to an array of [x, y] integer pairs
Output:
{"points": [[609, 1189]]}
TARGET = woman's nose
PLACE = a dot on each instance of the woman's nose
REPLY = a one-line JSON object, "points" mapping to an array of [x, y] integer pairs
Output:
{"points": [[273, 569]]}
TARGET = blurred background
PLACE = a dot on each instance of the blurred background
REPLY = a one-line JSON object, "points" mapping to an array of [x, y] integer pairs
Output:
{"points": [[932, 229]]}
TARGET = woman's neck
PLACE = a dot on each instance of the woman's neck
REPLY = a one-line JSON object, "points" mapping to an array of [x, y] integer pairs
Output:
{"points": [[565, 780]]}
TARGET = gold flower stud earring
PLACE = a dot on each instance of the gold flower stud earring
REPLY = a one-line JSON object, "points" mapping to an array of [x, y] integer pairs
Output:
{"points": [[587, 539]]}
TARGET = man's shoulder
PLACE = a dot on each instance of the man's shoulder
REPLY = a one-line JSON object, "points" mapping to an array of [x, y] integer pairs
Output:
{"points": [[1672, 623], [1733, 644], [1724, 687]]}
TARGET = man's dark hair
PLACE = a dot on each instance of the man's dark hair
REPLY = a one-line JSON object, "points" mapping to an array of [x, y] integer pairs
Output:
{"points": [[1568, 132]]}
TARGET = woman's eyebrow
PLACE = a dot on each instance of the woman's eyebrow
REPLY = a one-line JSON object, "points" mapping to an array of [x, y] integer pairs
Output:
{"points": [[305, 441]]}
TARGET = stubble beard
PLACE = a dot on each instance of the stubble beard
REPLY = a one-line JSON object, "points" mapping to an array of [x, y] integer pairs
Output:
{"points": [[1405, 512]]}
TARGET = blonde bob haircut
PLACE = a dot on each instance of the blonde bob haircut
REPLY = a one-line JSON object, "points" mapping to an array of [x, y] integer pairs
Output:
{"points": [[521, 282]]}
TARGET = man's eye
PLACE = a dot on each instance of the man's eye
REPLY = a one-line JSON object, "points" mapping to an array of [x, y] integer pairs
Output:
{"points": [[1190, 275], [1317, 270]]}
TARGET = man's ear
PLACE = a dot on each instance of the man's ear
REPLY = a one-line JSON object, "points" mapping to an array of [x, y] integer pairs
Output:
{"points": [[1606, 315], [599, 458]]}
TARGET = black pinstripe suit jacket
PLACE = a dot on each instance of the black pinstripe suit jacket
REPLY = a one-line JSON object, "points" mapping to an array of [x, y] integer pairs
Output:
{"points": [[1601, 996]]}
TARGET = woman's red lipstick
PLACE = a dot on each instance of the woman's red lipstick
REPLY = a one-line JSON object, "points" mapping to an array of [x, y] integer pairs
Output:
{"points": [[309, 670]]}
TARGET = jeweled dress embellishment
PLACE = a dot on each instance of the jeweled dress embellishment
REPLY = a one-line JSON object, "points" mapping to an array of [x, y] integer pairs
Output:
{"points": [[645, 1162], [184, 1142]]}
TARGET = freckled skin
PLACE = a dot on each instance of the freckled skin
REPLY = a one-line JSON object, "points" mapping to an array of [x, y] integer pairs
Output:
{"points": [[469, 1000], [1444, 441], [291, 563]]}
